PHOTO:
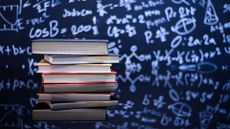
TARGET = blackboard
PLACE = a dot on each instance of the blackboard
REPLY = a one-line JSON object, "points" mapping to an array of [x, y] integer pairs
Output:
{"points": [[174, 68]]}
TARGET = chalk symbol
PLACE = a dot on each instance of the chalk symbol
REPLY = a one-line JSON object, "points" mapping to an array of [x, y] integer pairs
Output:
{"points": [[9, 116], [180, 2], [161, 33], [181, 109], [9, 15], [210, 17], [159, 102], [205, 119], [184, 26], [203, 67]]}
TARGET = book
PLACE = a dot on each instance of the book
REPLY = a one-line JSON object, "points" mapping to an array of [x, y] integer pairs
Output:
{"points": [[78, 77], [77, 59], [67, 97], [44, 66], [78, 87], [79, 104], [43, 112], [69, 46]]}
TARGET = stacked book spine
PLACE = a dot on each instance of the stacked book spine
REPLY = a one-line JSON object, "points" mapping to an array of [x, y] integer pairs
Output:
{"points": [[77, 80]]}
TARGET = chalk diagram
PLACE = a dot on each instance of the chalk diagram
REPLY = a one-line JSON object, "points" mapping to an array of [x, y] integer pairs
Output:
{"points": [[184, 26], [210, 17], [181, 109], [9, 15], [9, 116]]}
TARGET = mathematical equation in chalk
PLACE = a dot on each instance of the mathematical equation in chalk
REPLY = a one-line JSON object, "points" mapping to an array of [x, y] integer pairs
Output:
{"points": [[173, 55], [12, 117]]}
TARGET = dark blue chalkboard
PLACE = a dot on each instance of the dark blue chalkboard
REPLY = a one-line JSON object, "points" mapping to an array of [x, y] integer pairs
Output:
{"points": [[174, 70]]}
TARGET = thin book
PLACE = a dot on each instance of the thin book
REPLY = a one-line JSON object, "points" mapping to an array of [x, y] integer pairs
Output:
{"points": [[44, 66], [81, 59]]}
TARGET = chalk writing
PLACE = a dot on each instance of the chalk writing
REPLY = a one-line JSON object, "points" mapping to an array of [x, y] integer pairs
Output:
{"points": [[173, 70], [16, 84]]}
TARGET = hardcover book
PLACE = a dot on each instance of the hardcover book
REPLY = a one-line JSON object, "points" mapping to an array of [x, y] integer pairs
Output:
{"points": [[67, 97], [79, 77], [81, 59], [44, 66], [78, 87], [69, 46], [79, 104], [43, 112]]}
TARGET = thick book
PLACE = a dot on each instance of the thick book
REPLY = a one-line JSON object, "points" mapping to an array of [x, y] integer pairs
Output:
{"points": [[44, 66], [69, 46], [81, 59], [78, 77], [79, 104], [43, 112], [67, 97], [72, 114], [78, 87]]}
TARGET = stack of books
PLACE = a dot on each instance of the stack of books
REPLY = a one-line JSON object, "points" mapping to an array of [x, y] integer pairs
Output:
{"points": [[77, 79]]}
